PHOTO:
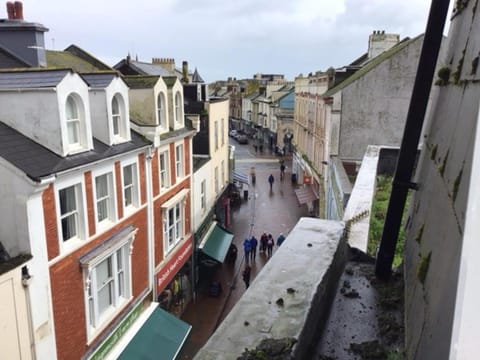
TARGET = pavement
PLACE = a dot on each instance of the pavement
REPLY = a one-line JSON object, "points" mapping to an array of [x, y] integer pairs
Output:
{"points": [[274, 212]]}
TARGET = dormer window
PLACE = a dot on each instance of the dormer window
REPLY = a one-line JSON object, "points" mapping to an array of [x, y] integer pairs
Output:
{"points": [[73, 122], [178, 107], [161, 109], [75, 137], [118, 118]]}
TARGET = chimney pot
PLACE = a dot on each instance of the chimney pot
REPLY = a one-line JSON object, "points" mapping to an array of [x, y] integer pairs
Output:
{"points": [[10, 10], [18, 10]]}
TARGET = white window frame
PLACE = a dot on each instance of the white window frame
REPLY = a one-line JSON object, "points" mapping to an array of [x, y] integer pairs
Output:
{"points": [[222, 130], [81, 225], [111, 200], [120, 247], [174, 227], [75, 121], [222, 171], [161, 109], [215, 127], [216, 180], [178, 107], [164, 171], [203, 195], [179, 161], [134, 187]]}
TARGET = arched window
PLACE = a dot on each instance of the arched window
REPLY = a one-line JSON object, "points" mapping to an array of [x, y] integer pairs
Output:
{"points": [[161, 107], [178, 107], [73, 121], [116, 116]]}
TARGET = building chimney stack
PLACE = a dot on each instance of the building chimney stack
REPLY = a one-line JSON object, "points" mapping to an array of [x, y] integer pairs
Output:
{"points": [[18, 10], [185, 71], [10, 10]]}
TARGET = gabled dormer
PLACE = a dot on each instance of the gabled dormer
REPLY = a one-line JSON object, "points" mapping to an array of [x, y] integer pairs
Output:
{"points": [[109, 107], [175, 101], [149, 105], [50, 107]]}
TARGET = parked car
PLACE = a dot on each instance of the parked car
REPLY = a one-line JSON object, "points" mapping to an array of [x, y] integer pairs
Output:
{"points": [[233, 133], [242, 139]]}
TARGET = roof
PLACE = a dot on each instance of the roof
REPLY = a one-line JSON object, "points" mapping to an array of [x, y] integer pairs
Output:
{"points": [[64, 59], [372, 64], [99, 80], [170, 80], [141, 81], [150, 69], [196, 78], [37, 161], [29, 79], [10, 60]]}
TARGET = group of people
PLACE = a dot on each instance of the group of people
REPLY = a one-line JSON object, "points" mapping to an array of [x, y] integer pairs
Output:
{"points": [[250, 248]]}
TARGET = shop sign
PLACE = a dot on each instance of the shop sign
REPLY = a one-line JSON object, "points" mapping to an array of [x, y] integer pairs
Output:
{"points": [[171, 268], [307, 179], [108, 344]]}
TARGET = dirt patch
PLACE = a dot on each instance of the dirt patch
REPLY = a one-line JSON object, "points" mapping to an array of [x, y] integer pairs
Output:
{"points": [[270, 349]]}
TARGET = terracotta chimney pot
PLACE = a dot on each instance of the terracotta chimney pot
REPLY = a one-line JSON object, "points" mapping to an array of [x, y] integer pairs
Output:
{"points": [[18, 10]]}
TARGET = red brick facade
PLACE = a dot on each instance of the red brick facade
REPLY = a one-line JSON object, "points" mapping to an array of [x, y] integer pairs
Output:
{"points": [[50, 219]]}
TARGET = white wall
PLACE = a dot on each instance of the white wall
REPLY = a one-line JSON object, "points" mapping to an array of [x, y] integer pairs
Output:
{"points": [[199, 215], [441, 257]]}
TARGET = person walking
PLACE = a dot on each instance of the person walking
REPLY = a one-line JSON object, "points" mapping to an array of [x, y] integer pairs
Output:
{"points": [[246, 276], [247, 247], [280, 239], [271, 180], [263, 242], [282, 170], [270, 244], [253, 248]]}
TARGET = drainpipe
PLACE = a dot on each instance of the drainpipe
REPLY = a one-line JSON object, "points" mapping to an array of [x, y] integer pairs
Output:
{"points": [[411, 134], [150, 222]]}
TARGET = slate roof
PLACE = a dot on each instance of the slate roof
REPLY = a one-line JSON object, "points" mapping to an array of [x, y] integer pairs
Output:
{"points": [[196, 78], [151, 69], [28, 79], [141, 81], [99, 80], [10, 60], [372, 64], [37, 161]]}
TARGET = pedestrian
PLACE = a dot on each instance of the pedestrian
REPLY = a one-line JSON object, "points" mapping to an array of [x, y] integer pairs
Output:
{"points": [[253, 248], [280, 239], [282, 171], [271, 180], [246, 248], [270, 244], [263, 242], [246, 276]]}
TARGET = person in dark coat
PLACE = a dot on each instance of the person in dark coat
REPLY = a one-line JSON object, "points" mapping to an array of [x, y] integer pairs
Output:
{"points": [[246, 276], [270, 243], [253, 248], [271, 180], [280, 239], [263, 242]]}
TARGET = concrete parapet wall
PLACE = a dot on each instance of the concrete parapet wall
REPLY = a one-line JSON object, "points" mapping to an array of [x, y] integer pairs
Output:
{"points": [[310, 262]]}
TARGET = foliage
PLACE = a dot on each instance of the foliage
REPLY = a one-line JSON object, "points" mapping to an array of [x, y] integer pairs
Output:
{"points": [[377, 219]]}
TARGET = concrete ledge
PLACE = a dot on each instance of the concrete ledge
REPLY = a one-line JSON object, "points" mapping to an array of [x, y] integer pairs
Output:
{"points": [[310, 261]]}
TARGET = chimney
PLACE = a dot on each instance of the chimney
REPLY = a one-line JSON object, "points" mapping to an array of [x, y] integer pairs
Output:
{"points": [[185, 72], [23, 39], [11, 10], [18, 10]]}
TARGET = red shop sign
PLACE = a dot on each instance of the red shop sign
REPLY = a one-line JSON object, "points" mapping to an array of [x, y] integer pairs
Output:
{"points": [[170, 269]]}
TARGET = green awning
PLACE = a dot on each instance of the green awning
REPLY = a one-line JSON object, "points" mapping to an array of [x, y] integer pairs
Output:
{"points": [[217, 243], [161, 337]]}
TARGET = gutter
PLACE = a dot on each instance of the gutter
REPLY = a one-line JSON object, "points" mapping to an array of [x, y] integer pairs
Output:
{"points": [[411, 135]]}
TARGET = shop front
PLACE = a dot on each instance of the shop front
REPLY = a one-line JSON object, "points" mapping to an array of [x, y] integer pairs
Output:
{"points": [[173, 281]]}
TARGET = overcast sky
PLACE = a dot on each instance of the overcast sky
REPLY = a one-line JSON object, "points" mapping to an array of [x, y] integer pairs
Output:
{"points": [[229, 38]]}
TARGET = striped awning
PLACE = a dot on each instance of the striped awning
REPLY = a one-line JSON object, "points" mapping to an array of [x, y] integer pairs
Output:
{"points": [[305, 194], [241, 177]]}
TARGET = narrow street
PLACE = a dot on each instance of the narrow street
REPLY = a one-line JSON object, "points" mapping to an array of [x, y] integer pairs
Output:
{"points": [[274, 212]]}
